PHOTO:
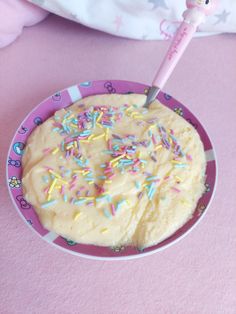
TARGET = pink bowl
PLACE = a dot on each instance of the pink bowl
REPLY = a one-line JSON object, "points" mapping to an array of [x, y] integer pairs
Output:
{"points": [[65, 98]]}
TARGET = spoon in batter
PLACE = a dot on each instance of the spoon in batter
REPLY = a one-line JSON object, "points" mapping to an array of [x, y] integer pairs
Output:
{"points": [[196, 12]]}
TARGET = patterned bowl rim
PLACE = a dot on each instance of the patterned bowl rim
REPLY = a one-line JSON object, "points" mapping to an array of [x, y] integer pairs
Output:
{"points": [[116, 257]]}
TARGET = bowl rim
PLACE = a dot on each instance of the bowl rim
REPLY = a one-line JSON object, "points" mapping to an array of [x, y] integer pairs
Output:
{"points": [[113, 258]]}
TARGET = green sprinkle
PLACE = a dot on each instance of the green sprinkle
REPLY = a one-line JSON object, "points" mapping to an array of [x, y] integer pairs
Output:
{"points": [[79, 202], [45, 179], [100, 198], [137, 184], [107, 213], [180, 166], [152, 178], [49, 203]]}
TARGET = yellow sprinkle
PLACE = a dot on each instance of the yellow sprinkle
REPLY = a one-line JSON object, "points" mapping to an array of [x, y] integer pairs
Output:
{"points": [[68, 118], [91, 182], [138, 117], [99, 125], [178, 178], [63, 181], [99, 117], [86, 198], [57, 186], [84, 141], [55, 150], [52, 185], [183, 201], [73, 125], [144, 184], [69, 146], [78, 171], [75, 144], [98, 136], [117, 158], [90, 137], [128, 202], [54, 173], [170, 140], [104, 230], [77, 216], [106, 134], [134, 113], [139, 155], [49, 197], [151, 126], [128, 109], [142, 166], [85, 172], [158, 147], [108, 181], [115, 164], [176, 162]]}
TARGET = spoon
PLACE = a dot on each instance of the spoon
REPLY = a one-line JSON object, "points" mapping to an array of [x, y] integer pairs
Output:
{"points": [[196, 13]]}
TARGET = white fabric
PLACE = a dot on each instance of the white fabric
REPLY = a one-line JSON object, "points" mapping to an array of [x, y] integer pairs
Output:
{"points": [[139, 19]]}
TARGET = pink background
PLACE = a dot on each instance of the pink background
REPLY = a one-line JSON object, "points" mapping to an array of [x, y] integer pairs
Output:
{"points": [[197, 275]]}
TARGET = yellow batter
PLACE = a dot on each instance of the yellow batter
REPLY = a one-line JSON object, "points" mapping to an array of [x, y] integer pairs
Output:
{"points": [[108, 172]]}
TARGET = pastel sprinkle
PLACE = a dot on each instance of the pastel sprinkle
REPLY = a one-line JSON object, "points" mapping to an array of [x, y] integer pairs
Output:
{"points": [[52, 186], [175, 189], [104, 230], [77, 215], [81, 201], [65, 198], [152, 178], [55, 151], [49, 203], [107, 213], [113, 210], [98, 137]]}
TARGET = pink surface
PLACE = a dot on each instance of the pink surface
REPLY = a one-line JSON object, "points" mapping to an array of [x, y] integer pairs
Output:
{"points": [[197, 275]]}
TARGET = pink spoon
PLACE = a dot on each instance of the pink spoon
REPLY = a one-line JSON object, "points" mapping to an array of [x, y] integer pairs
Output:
{"points": [[196, 13]]}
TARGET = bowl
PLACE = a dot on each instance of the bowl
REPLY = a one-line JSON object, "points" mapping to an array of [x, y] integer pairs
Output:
{"points": [[65, 98]]}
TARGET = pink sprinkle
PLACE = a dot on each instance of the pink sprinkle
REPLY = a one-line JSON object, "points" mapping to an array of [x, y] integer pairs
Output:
{"points": [[166, 178], [46, 150], [57, 124], [189, 157], [136, 163], [46, 190], [175, 189], [48, 168], [111, 176], [107, 170], [154, 140], [171, 132], [109, 145], [90, 203], [82, 188], [156, 181], [72, 186], [113, 210], [62, 189], [69, 139]]}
